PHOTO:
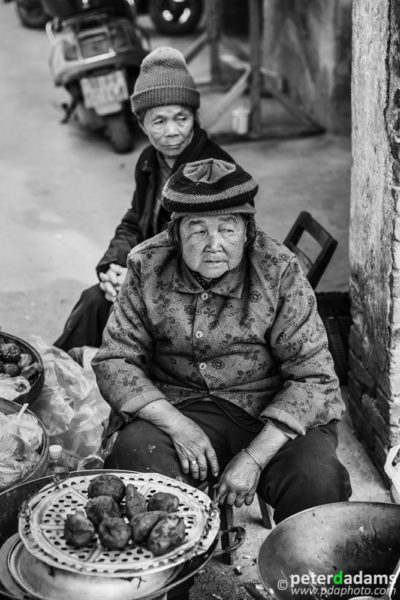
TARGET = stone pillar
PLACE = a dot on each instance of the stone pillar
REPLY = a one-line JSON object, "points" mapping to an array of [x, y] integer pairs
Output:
{"points": [[374, 381]]}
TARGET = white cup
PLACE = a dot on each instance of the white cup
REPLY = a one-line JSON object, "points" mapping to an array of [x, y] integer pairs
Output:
{"points": [[240, 120]]}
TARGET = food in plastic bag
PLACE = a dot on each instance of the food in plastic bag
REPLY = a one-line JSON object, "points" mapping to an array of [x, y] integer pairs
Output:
{"points": [[14, 362], [70, 404], [12, 387], [20, 442]]}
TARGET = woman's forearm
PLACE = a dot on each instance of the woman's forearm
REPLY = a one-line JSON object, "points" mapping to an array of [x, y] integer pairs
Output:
{"points": [[162, 414], [267, 443]]}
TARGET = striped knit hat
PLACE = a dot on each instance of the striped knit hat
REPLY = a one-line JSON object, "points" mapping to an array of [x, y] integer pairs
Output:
{"points": [[164, 79], [210, 187]]}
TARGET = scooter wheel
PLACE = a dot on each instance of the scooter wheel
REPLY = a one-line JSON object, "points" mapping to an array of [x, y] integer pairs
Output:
{"points": [[119, 133], [31, 13], [175, 17]]}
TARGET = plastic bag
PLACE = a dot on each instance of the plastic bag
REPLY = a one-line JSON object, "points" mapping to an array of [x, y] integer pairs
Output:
{"points": [[20, 441], [70, 404]]}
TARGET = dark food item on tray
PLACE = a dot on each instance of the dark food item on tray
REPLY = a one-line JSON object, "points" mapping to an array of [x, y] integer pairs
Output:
{"points": [[135, 502], [25, 360], [143, 523], [107, 485], [168, 533], [101, 507], [11, 369], [30, 371], [21, 371], [10, 353], [114, 533], [78, 529], [163, 501], [128, 520]]}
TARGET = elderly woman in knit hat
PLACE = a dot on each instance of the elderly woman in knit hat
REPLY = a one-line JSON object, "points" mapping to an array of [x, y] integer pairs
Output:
{"points": [[215, 359], [165, 101]]}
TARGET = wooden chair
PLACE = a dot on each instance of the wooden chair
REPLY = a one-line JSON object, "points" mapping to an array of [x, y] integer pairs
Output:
{"points": [[314, 258]]}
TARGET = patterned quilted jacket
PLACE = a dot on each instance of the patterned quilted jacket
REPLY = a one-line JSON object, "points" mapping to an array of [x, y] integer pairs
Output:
{"points": [[254, 338]]}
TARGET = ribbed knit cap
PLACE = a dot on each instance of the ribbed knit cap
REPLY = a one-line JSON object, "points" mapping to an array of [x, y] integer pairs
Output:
{"points": [[164, 79], [209, 186]]}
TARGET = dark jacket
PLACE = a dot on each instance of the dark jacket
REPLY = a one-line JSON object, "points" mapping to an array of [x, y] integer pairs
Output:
{"points": [[135, 226]]}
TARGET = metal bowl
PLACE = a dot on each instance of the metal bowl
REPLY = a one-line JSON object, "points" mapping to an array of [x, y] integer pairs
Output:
{"points": [[40, 580], [8, 407], [352, 540]]}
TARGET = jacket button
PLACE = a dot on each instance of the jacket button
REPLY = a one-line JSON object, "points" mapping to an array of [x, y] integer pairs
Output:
{"points": [[199, 334], [202, 366]]}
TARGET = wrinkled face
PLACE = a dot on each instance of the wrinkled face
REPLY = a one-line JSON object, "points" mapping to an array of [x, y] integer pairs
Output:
{"points": [[169, 128], [213, 245]]}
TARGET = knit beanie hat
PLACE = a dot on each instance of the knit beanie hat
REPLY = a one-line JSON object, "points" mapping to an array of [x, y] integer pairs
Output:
{"points": [[211, 187], [164, 79]]}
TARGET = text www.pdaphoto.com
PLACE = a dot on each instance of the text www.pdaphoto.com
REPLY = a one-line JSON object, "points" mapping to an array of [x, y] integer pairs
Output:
{"points": [[340, 585]]}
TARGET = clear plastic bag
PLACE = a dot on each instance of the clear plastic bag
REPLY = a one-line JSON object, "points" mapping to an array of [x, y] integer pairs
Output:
{"points": [[20, 440], [70, 404]]}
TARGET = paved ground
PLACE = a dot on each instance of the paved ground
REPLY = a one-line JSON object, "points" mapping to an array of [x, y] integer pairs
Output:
{"points": [[63, 191]]}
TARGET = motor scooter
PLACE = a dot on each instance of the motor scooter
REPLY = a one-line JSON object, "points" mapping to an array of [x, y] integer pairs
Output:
{"points": [[96, 51]]}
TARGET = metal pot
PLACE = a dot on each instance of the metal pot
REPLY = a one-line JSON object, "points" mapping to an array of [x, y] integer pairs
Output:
{"points": [[41, 580], [358, 542], [48, 582]]}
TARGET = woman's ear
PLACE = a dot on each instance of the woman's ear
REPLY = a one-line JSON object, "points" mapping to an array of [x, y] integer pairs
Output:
{"points": [[142, 126]]}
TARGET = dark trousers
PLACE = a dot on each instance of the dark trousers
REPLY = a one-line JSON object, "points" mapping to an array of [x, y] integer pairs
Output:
{"points": [[86, 322], [305, 472]]}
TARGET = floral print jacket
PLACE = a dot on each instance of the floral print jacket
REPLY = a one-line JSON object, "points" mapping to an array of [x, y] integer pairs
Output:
{"points": [[254, 338]]}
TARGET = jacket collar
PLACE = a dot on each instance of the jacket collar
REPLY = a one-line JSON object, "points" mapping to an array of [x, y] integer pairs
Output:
{"points": [[194, 149], [229, 285]]}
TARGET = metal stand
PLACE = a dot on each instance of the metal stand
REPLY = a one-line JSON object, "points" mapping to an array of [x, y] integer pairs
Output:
{"points": [[252, 78]]}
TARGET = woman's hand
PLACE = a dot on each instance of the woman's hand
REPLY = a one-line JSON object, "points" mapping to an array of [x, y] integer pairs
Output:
{"points": [[112, 280], [239, 481], [194, 449]]}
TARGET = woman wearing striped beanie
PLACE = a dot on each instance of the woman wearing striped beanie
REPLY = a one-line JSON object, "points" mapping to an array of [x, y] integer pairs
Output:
{"points": [[216, 353]]}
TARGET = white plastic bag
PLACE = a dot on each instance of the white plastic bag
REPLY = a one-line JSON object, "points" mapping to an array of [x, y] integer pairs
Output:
{"points": [[20, 440], [70, 404]]}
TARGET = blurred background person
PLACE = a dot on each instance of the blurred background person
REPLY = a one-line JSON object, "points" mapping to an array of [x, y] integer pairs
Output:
{"points": [[166, 102]]}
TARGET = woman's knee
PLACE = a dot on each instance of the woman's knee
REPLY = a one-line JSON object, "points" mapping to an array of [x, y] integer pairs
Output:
{"points": [[93, 297], [306, 472], [143, 447]]}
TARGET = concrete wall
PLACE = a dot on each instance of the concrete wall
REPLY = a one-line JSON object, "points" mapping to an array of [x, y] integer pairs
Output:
{"points": [[374, 381], [309, 45]]}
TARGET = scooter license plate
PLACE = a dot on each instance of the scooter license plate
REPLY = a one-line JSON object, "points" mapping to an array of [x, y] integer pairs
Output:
{"points": [[104, 89]]}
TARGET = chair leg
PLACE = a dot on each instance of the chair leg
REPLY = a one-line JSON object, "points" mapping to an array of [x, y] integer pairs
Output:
{"points": [[226, 513], [266, 513]]}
